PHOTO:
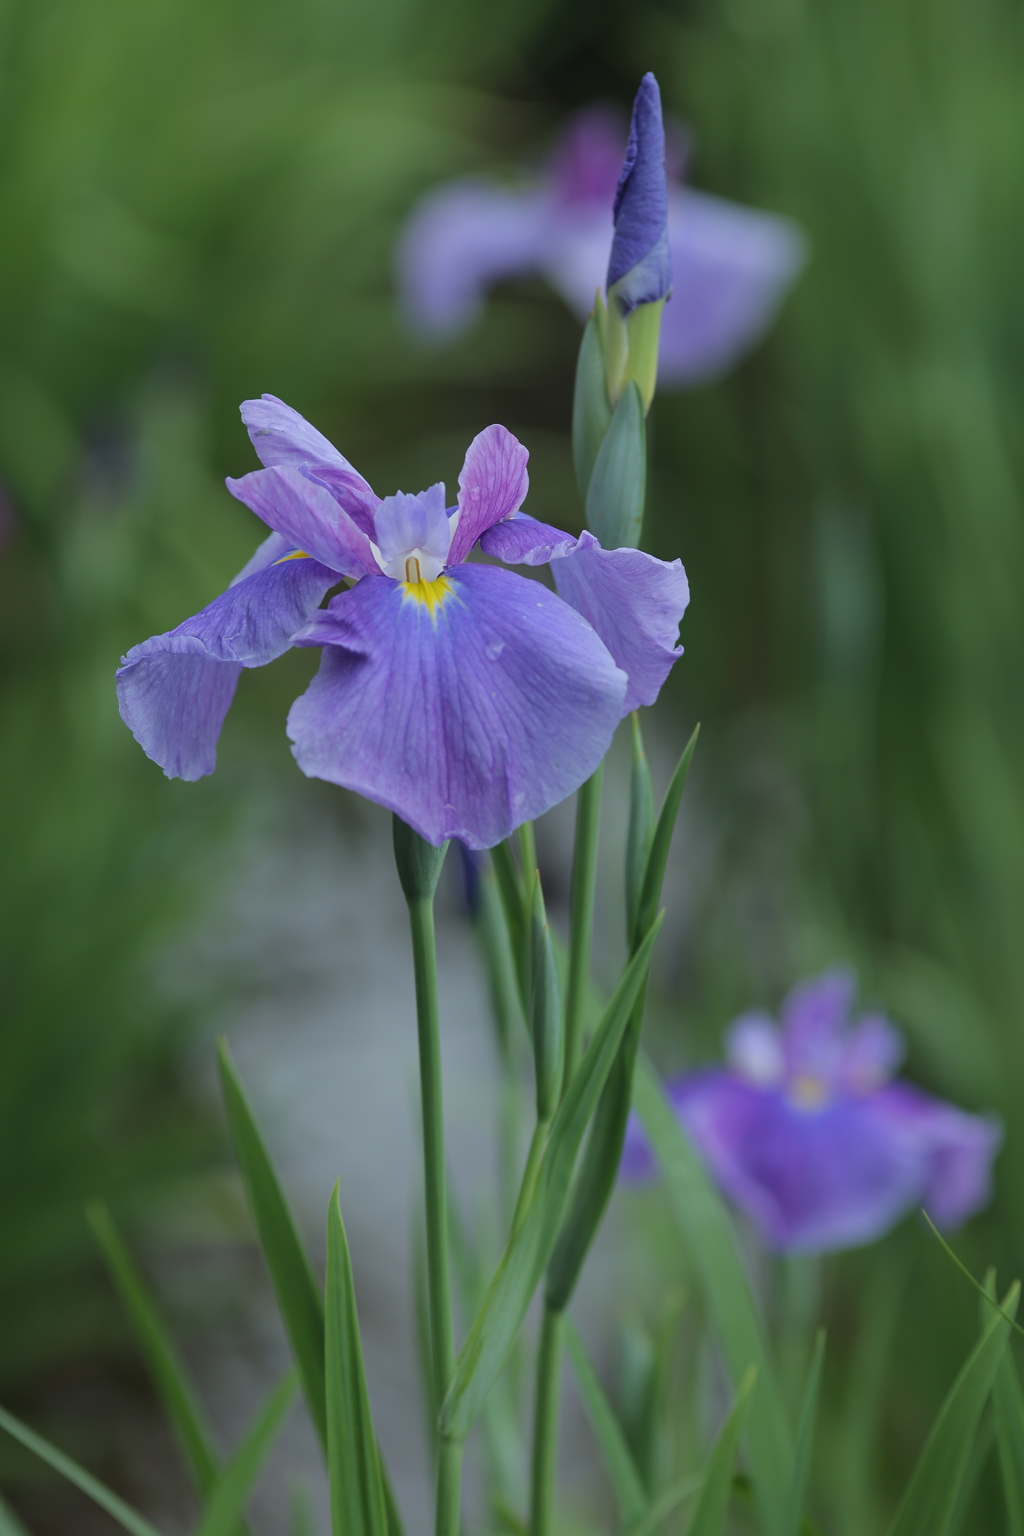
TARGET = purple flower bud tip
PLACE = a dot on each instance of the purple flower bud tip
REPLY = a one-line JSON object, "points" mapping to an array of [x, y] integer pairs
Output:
{"points": [[462, 697], [640, 265], [807, 1134]]}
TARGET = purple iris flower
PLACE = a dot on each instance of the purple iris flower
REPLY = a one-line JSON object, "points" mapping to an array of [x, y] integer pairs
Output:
{"points": [[806, 1132], [730, 266], [461, 696], [640, 266]]}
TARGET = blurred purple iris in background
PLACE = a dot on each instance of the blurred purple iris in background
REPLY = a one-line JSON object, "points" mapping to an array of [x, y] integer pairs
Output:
{"points": [[463, 697], [730, 266], [805, 1131]]}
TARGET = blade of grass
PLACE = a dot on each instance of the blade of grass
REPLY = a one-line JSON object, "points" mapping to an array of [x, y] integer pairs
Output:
{"points": [[10, 1525], [657, 858], [1008, 1406], [357, 1491], [225, 1504], [930, 1500], [630, 1494], [805, 1436], [962, 1267], [129, 1519], [709, 1516], [661, 1507], [707, 1228], [298, 1294], [523, 1263], [171, 1383]]}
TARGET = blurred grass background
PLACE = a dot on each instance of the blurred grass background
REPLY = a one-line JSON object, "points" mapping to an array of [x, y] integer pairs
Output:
{"points": [[198, 202]]}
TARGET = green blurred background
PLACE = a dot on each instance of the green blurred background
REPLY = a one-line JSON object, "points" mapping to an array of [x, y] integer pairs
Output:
{"points": [[198, 202]]}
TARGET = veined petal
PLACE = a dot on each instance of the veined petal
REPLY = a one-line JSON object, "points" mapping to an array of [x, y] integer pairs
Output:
{"points": [[492, 485], [522, 540], [284, 439], [175, 689], [810, 1180], [308, 516], [466, 715], [731, 268], [634, 602], [459, 240]]}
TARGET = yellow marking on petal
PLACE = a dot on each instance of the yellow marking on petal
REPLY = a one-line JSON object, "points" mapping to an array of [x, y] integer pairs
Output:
{"points": [[296, 554], [429, 594], [808, 1092]]}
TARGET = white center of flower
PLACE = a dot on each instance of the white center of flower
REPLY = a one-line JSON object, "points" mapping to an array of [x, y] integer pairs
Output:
{"points": [[414, 535]]}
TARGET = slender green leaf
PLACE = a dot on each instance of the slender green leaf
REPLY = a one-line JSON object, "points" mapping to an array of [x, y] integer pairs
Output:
{"points": [[10, 1525], [989, 1299], [981, 1450], [654, 875], [1008, 1405], [660, 1508], [222, 1510], [641, 827], [295, 1286], [511, 892], [171, 1383], [546, 1020], [391, 1510], [708, 1517], [522, 1265], [357, 1492], [708, 1231], [630, 1494], [129, 1519], [930, 1500], [805, 1436], [303, 1522]]}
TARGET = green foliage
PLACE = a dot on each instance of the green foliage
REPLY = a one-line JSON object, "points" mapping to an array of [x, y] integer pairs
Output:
{"points": [[126, 1517], [709, 1516], [630, 1494], [298, 1294], [357, 1490], [228, 1495], [617, 487]]}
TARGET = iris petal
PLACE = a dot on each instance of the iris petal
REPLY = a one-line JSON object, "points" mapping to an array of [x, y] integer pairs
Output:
{"points": [[466, 717], [284, 439], [492, 486], [175, 689], [308, 516]]}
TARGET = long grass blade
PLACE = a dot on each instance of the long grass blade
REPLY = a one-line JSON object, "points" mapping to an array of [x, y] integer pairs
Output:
{"points": [[298, 1294], [657, 858], [522, 1265], [171, 1383], [225, 1504], [805, 1437], [665, 1503], [129, 1519], [10, 1525], [709, 1237], [630, 1494], [357, 1491], [1008, 1415], [709, 1515], [931, 1497]]}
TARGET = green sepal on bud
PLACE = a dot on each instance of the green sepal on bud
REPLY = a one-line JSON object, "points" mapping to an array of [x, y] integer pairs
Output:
{"points": [[591, 413], [618, 483], [546, 1025], [631, 348], [418, 862]]}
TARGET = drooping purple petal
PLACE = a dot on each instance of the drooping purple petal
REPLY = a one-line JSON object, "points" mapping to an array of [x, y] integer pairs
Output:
{"points": [[810, 1180], [460, 240], [958, 1149], [175, 689], [308, 516], [522, 540], [634, 602], [284, 439], [640, 266], [492, 485], [467, 717], [731, 268]]}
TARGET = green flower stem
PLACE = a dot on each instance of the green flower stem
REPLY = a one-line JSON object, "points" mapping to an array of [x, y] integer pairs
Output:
{"points": [[442, 1339], [584, 879], [528, 854], [545, 1424]]}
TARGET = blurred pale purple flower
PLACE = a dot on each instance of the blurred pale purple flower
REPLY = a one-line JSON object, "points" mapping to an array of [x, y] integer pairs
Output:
{"points": [[463, 697], [805, 1131], [730, 266]]}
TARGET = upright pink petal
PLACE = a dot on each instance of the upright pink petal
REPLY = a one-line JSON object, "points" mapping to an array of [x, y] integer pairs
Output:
{"points": [[493, 484]]}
